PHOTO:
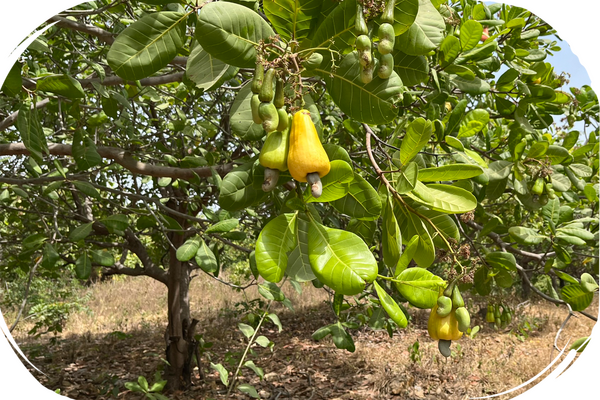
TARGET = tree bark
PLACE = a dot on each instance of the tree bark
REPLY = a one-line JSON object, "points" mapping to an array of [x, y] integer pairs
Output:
{"points": [[180, 330]]}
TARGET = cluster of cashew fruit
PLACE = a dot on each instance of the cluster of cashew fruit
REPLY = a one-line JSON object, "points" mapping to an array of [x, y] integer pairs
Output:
{"points": [[499, 319], [448, 319], [292, 142]]}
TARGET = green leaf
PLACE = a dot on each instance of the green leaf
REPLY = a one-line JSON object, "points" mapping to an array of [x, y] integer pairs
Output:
{"points": [[412, 70], [501, 260], [298, 267], [407, 255], [478, 53], [364, 229], [237, 189], [450, 49], [12, 83], [257, 370], [470, 34], [538, 149], [49, 256], [102, 257], [577, 232], [203, 69], [63, 85], [116, 223], [84, 151], [293, 18], [417, 135], [446, 198], [223, 226], [580, 344], [34, 241], [425, 34], [445, 226], [147, 45], [576, 297], [371, 103], [391, 238], [499, 170], [525, 235], [557, 154], [32, 133], [341, 338], [551, 211], [449, 172], [188, 250], [240, 116], [87, 189], [340, 259], [560, 183], [223, 374], [405, 14], [582, 171], [470, 86], [473, 123], [361, 202], [271, 291], [390, 306], [566, 277], [588, 283], [83, 266], [249, 390], [419, 286], [455, 117], [407, 178], [336, 32], [276, 239], [246, 329], [335, 183], [81, 232], [335, 152], [143, 383], [230, 32], [206, 259], [411, 225]]}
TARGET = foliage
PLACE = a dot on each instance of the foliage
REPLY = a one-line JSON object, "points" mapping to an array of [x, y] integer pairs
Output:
{"points": [[131, 136]]}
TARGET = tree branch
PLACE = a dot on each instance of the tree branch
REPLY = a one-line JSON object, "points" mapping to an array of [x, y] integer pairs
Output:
{"points": [[114, 80], [12, 118], [125, 159], [101, 34]]}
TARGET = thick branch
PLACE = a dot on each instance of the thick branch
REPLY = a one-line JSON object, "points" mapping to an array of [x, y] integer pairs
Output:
{"points": [[115, 80], [101, 34], [12, 118], [124, 159]]}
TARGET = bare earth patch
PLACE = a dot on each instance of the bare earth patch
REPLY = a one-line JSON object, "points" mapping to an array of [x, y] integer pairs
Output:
{"points": [[120, 337]]}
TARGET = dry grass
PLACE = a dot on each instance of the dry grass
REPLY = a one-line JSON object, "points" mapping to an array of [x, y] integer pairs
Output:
{"points": [[381, 367]]}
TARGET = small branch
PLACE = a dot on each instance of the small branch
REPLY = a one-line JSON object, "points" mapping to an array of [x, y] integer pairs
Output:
{"points": [[115, 80], [105, 36], [562, 327], [12, 118]]}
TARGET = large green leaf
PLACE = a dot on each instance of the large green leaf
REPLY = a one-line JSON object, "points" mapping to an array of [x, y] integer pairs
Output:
{"points": [[361, 202], [84, 151], [577, 298], [223, 226], [525, 235], [551, 211], [188, 250], [557, 154], [147, 45], [499, 170], [426, 33], [411, 225], [230, 32], [470, 34], [372, 103], [405, 14], [206, 259], [240, 116], [32, 133], [293, 18], [102, 257], [340, 259], [81, 232], [238, 190], [470, 86], [116, 223], [204, 69], [391, 238], [417, 135], [449, 172], [364, 229], [83, 266], [444, 226], [336, 32], [407, 255], [276, 239], [298, 267], [411, 69], [419, 286], [501, 260], [63, 85], [444, 198], [473, 123], [390, 306]]}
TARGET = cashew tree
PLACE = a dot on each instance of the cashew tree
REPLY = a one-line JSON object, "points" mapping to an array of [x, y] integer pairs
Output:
{"points": [[396, 153]]}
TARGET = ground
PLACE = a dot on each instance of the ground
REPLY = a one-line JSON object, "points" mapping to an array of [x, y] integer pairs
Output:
{"points": [[120, 336]]}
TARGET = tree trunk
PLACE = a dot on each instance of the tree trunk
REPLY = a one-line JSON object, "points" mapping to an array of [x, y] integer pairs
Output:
{"points": [[179, 336]]}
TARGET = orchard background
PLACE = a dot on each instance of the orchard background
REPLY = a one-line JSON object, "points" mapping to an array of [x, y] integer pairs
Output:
{"points": [[415, 125]]}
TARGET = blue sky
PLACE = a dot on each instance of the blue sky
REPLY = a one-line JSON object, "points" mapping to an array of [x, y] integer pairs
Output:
{"points": [[566, 61]]}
